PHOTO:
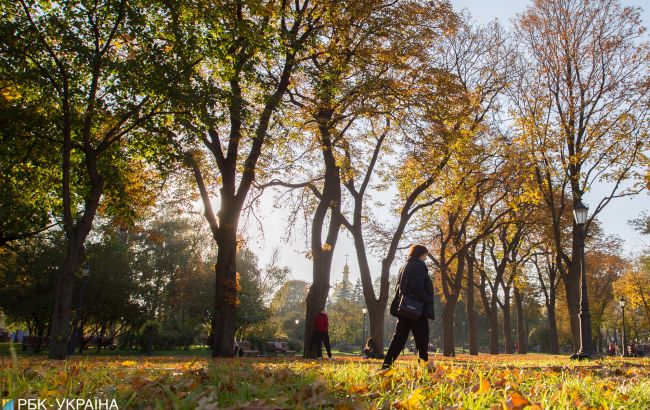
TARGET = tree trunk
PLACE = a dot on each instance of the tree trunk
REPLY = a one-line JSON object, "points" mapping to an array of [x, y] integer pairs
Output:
{"points": [[471, 312], [39, 341], [491, 309], [322, 253], [225, 303], [552, 326], [63, 300], [376, 307], [377, 327], [522, 336], [493, 319], [76, 234], [316, 297], [572, 289], [507, 324], [385, 293], [448, 311], [101, 336], [599, 341], [80, 343]]}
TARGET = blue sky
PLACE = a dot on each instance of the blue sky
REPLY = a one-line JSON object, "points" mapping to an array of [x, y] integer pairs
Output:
{"points": [[504, 10], [614, 218], [487, 10]]}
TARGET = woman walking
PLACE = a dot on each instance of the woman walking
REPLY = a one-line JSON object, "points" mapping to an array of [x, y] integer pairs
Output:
{"points": [[413, 283]]}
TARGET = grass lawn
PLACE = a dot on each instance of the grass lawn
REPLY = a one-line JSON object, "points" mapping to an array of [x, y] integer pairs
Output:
{"points": [[194, 350], [185, 382]]}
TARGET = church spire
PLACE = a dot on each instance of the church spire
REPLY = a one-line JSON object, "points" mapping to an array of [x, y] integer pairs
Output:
{"points": [[343, 289], [346, 271]]}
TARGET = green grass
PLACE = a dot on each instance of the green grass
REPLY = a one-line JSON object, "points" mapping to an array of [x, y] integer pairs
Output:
{"points": [[184, 382], [92, 351]]}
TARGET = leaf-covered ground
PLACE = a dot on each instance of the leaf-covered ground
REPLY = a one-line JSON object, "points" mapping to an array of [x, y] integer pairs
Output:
{"points": [[490, 382]]}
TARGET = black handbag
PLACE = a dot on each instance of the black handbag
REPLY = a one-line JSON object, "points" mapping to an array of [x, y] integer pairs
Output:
{"points": [[406, 306]]}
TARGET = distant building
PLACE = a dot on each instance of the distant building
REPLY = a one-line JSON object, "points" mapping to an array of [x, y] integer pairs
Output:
{"points": [[344, 290]]}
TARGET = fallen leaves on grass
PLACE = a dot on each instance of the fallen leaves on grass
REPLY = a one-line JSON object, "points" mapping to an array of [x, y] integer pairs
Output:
{"points": [[516, 401], [505, 383], [482, 387]]}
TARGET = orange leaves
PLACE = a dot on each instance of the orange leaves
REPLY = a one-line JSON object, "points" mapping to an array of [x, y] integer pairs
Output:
{"points": [[516, 401], [359, 389], [482, 387], [232, 287], [412, 401]]}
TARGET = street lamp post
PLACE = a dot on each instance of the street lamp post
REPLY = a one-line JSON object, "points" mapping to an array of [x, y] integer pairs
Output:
{"points": [[624, 335], [85, 272], [363, 327], [586, 351]]}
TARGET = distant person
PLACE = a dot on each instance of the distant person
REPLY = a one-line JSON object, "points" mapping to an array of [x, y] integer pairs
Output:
{"points": [[413, 280], [611, 350], [370, 351], [321, 335]]}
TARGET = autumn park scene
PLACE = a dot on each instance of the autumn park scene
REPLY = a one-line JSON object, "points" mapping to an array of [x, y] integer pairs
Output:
{"points": [[324, 204]]}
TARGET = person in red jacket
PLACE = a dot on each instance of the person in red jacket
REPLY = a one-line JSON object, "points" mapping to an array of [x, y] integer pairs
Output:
{"points": [[321, 335]]}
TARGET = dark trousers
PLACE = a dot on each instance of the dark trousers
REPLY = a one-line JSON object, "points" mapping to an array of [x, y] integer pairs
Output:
{"points": [[420, 329], [320, 338]]}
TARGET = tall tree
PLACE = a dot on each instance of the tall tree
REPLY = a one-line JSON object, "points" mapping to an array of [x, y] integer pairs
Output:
{"points": [[605, 266], [371, 61], [582, 112], [482, 59], [245, 55], [401, 89], [470, 211], [90, 63], [634, 286], [543, 262]]}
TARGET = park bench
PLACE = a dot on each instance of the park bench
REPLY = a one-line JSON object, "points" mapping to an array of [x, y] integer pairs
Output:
{"points": [[104, 342], [285, 349], [245, 348], [272, 349], [32, 341], [278, 348]]}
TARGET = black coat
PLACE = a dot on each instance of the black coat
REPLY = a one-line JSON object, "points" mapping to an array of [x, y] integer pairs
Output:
{"points": [[414, 279]]}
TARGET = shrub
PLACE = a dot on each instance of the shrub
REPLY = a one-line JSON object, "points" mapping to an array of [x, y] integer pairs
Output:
{"points": [[148, 334]]}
